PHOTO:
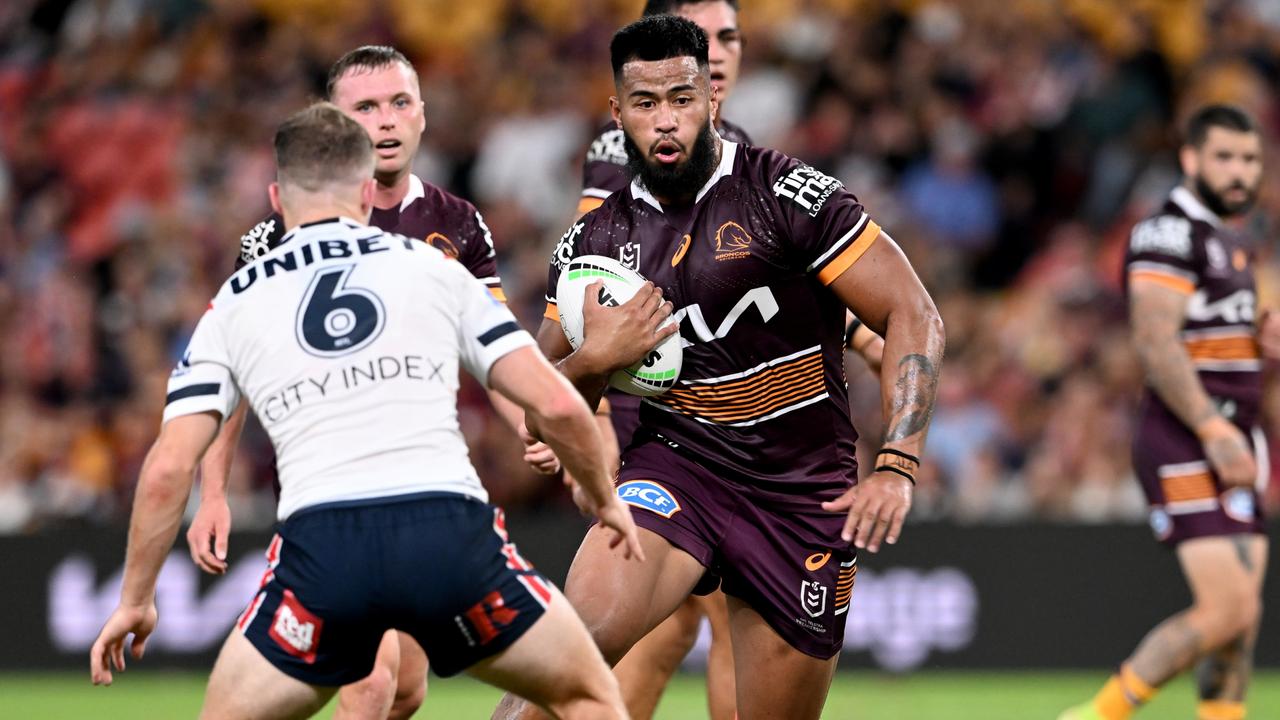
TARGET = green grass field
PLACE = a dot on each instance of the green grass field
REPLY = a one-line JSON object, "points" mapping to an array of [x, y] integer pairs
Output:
{"points": [[854, 696]]}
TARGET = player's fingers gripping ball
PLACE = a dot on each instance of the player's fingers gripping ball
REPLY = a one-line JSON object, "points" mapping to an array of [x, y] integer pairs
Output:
{"points": [[654, 374]]}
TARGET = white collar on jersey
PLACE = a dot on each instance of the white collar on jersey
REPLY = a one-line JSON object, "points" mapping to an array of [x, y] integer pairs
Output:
{"points": [[353, 224], [416, 190], [728, 152], [1192, 206]]}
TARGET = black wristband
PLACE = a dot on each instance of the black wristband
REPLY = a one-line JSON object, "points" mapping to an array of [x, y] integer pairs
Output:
{"points": [[899, 453], [849, 331], [892, 469]]}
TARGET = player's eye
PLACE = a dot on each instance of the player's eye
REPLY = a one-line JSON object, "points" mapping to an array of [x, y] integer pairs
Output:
{"points": [[402, 102], [730, 36], [646, 104], [364, 107], [683, 100]]}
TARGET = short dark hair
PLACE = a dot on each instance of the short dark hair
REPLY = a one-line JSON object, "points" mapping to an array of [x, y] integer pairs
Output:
{"points": [[366, 57], [658, 37], [321, 145], [1223, 116], [669, 7]]}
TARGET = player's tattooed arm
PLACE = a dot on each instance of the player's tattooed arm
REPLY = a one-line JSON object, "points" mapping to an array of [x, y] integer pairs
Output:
{"points": [[884, 292], [913, 396], [1156, 314], [882, 289]]}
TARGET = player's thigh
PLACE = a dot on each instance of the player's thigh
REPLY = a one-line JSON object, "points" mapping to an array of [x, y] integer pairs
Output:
{"points": [[1224, 571], [621, 600], [714, 607], [243, 684], [554, 662], [774, 680], [413, 664]]}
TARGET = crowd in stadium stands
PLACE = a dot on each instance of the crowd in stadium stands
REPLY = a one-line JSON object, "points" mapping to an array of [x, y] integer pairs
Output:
{"points": [[1007, 146]]}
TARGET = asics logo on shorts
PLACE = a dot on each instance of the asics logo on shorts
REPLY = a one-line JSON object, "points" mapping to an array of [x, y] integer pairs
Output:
{"points": [[816, 561], [649, 495]]}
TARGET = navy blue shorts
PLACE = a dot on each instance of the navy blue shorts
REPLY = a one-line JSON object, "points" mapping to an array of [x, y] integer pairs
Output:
{"points": [[438, 566]]}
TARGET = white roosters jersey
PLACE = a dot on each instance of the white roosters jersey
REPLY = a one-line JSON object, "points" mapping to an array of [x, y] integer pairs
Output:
{"points": [[346, 340]]}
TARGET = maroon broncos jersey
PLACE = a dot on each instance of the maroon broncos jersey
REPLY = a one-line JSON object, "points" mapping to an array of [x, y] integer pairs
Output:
{"points": [[1187, 248], [427, 213], [762, 390], [605, 170]]}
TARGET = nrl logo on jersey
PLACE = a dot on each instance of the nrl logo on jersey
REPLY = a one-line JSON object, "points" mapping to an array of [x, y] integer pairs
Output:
{"points": [[629, 255], [609, 147], [807, 187]]}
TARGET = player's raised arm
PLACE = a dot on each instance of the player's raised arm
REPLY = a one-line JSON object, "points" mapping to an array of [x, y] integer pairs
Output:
{"points": [[1157, 309], [883, 290]]}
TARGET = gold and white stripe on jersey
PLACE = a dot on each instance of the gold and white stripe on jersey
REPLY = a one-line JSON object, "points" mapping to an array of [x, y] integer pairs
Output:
{"points": [[1230, 348], [1164, 275], [740, 399]]}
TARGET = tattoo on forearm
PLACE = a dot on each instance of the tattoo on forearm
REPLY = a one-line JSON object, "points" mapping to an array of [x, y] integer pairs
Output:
{"points": [[1167, 650], [913, 397]]}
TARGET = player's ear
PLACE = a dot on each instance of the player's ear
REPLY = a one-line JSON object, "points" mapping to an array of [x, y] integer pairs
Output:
{"points": [[615, 109], [1189, 158], [273, 192], [367, 191]]}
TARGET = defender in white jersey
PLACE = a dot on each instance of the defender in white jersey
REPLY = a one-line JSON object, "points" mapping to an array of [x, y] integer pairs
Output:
{"points": [[347, 341]]}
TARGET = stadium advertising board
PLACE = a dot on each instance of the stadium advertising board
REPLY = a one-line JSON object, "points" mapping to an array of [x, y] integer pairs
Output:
{"points": [[947, 596]]}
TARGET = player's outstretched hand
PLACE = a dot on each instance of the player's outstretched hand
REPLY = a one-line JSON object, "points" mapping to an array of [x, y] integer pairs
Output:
{"points": [[616, 516], [108, 649], [1228, 451], [877, 508], [538, 454], [618, 337], [1269, 334], [207, 536]]}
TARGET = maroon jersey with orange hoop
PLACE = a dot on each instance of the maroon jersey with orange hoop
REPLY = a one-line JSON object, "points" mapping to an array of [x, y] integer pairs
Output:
{"points": [[427, 213], [762, 390], [1187, 248]]}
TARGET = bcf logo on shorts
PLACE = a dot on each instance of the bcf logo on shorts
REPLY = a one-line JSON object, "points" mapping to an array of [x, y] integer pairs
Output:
{"points": [[649, 495]]}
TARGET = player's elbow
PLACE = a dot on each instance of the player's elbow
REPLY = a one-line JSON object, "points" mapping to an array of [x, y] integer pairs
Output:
{"points": [[562, 408], [165, 476]]}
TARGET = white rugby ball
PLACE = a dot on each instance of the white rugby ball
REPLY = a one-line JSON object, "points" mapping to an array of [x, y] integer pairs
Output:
{"points": [[658, 371]]}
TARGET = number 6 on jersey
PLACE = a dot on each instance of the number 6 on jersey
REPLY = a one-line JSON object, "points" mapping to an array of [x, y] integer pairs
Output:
{"points": [[334, 319]]}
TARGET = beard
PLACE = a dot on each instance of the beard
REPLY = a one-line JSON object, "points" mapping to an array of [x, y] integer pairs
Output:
{"points": [[1216, 201], [679, 181]]}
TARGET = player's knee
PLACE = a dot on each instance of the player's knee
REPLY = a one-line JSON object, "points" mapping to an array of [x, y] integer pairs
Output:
{"points": [[591, 695], [408, 700], [1230, 616], [373, 694]]}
